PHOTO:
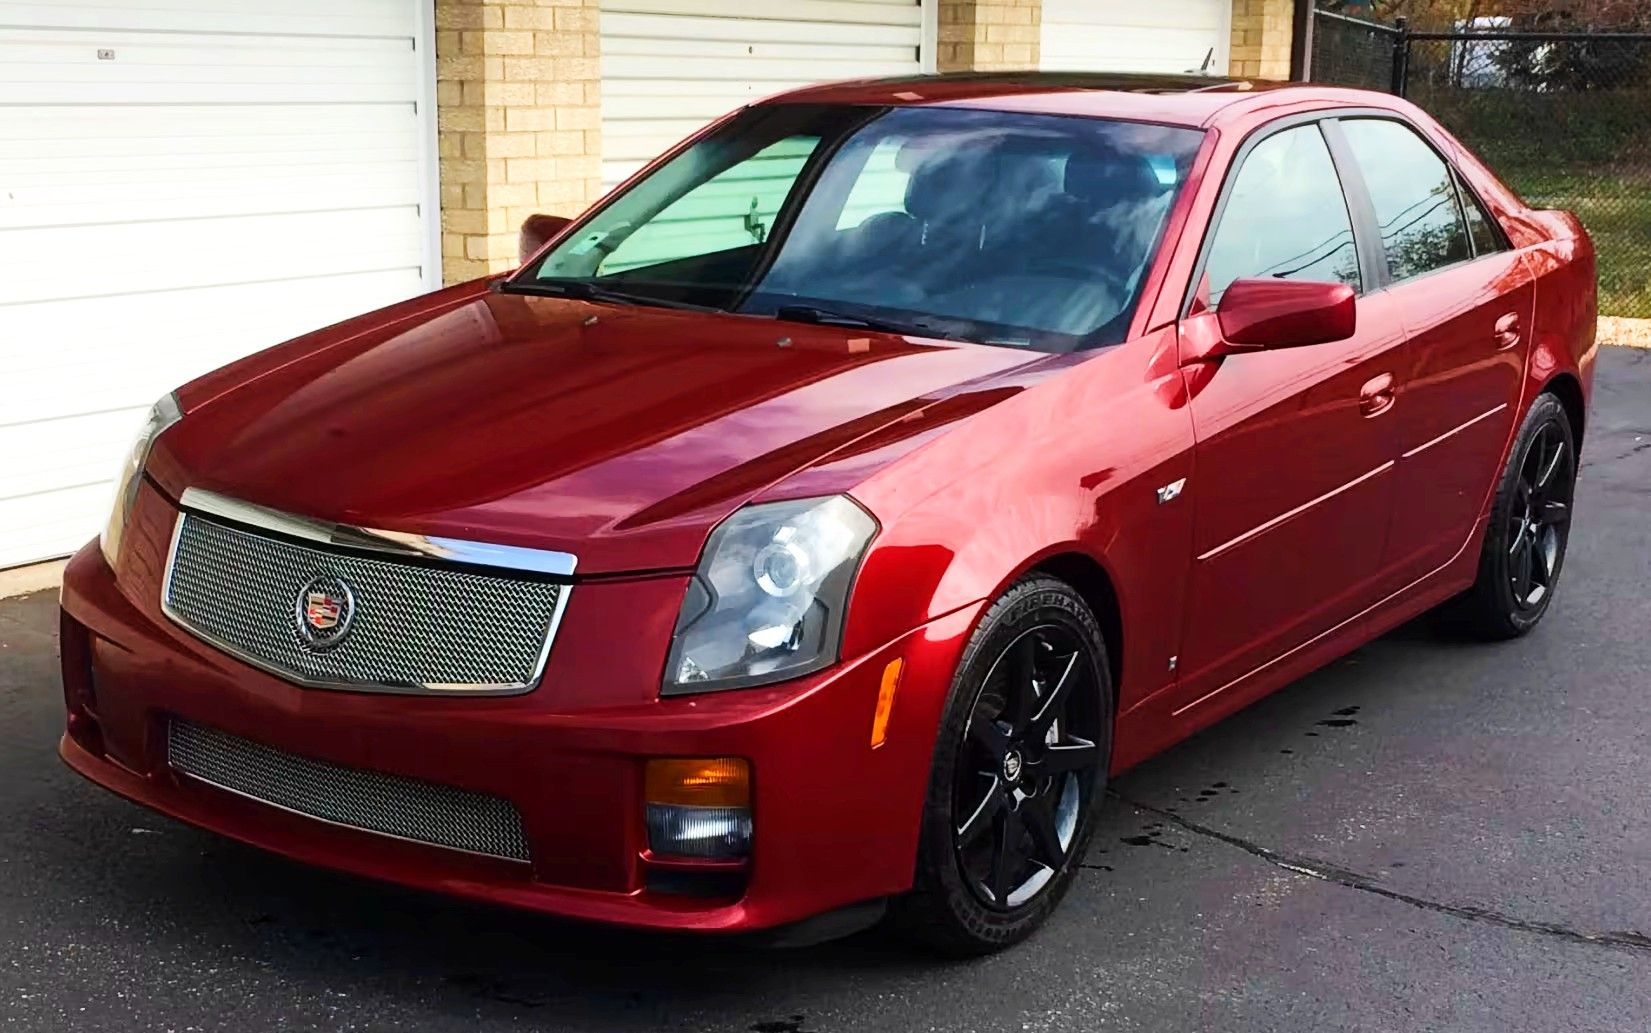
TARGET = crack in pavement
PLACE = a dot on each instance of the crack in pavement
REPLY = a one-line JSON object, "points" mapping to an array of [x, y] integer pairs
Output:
{"points": [[1316, 869]]}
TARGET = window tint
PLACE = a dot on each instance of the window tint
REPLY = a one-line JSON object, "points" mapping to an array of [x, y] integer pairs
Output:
{"points": [[1414, 196], [1486, 240], [734, 208], [1285, 217]]}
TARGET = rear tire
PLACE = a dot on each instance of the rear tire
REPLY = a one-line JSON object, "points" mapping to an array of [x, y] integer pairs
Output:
{"points": [[1019, 772], [1530, 526]]}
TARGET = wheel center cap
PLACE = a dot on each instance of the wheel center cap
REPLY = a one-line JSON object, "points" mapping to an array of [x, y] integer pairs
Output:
{"points": [[1012, 765]]}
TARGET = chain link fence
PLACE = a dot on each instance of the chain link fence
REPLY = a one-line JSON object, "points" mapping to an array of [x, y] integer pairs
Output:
{"points": [[1352, 52], [1564, 118]]}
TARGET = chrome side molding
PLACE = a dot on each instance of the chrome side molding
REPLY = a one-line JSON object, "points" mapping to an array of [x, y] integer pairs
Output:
{"points": [[394, 543]]}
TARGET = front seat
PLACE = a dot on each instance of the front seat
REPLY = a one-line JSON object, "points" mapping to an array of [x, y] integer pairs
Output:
{"points": [[1115, 205]]}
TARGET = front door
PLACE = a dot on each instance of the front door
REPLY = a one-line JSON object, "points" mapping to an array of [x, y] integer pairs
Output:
{"points": [[1293, 475]]}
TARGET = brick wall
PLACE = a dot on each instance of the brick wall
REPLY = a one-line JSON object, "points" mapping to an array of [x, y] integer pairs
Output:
{"points": [[1261, 38], [989, 35], [518, 111]]}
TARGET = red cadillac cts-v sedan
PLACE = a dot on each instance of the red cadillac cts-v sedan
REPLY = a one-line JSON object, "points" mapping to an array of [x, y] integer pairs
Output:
{"points": [[812, 527]]}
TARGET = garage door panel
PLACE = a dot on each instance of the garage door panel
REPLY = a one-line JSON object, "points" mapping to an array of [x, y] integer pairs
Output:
{"points": [[76, 51], [201, 122], [670, 66], [286, 17], [1168, 50], [1165, 36], [151, 343], [721, 69], [617, 28], [60, 454], [237, 175], [835, 53], [38, 79], [1111, 14], [209, 152], [54, 523], [859, 12], [123, 259]]}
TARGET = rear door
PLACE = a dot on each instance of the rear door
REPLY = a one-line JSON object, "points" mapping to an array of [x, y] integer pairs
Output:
{"points": [[1292, 481], [1467, 304]]}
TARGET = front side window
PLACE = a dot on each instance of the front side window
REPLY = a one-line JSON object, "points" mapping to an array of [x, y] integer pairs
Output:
{"points": [[1285, 217], [1414, 196], [1021, 230]]}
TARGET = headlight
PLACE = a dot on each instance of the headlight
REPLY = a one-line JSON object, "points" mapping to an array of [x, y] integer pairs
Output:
{"points": [[767, 601], [162, 415]]}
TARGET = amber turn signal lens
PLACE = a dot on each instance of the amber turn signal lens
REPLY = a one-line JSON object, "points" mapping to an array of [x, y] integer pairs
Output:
{"points": [[885, 702], [699, 782]]}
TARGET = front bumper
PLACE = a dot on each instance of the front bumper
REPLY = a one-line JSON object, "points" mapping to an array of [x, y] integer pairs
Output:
{"points": [[835, 821]]}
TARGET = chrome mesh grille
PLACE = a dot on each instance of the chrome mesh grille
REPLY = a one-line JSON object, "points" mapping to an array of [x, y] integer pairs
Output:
{"points": [[389, 804], [414, 625]]}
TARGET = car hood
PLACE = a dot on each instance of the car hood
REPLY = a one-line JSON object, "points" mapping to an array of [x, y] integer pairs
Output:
{"points": [[621, 435]]}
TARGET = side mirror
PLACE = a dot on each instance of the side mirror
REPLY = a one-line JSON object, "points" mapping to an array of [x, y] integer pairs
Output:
{"points": [[536, 233], [1263, 314]]}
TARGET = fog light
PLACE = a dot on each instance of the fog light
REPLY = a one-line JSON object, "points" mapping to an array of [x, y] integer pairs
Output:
{"points": [[699, 808]]}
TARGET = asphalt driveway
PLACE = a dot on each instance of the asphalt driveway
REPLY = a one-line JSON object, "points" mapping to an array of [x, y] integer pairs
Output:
{"points": [[1428, 835]]}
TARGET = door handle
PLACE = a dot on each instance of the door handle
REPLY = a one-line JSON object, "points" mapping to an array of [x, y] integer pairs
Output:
{"points": [[1376, 396], [1507, 331]]}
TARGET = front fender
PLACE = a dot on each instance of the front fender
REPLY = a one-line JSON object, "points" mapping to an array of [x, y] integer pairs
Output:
{"points": [[1071, 466]]}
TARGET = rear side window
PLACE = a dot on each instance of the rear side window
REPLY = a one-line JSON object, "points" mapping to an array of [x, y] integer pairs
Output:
{"points": [[1285, 217], [1414, 196], [1485, 238]]}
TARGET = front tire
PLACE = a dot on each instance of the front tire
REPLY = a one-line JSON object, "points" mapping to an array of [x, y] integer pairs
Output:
{"points": [[1530, 527], [1019, 772]]}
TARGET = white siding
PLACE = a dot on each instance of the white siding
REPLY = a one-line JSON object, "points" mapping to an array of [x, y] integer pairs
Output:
{"points": [[224, 175], [670, 66], [1171, 36]]}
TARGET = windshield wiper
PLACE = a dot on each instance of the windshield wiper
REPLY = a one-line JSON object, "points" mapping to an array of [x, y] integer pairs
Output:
{"points": [[586, 290], [830, 317]]}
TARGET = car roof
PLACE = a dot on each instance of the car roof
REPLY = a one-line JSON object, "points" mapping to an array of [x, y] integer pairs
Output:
{"points": [[1187, 100]]}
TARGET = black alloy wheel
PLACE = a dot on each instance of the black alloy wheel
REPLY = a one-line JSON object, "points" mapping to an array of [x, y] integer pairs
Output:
{"points": [[1028, 767], [1540, 517], [1530, 528], [1019, 770]]}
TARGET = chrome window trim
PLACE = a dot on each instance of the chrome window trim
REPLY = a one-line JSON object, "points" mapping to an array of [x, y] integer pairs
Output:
{"points": [[396, 543], [211, 503]]}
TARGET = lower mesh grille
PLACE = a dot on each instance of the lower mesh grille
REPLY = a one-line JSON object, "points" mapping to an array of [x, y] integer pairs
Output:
{"points": [[388, 804]]}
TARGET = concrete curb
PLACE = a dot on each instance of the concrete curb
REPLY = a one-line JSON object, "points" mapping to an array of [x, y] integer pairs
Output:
{"points": [[1625, 332], [33, 578]]}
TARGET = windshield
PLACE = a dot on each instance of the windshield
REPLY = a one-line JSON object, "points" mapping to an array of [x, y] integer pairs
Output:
{"points": [[1030, 231]]}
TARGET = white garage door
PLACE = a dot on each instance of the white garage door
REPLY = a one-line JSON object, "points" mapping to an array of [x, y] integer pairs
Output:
{"points": [[1171, 36], [670, 66], [183, 182]]}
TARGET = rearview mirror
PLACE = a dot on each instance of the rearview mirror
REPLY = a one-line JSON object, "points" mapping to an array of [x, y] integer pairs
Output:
{"points": [[1257, 315], [536, 232]]}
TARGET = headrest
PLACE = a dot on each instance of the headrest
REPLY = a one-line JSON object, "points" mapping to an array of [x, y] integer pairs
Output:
{"points": [[1106, 178], [950, 182]]}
